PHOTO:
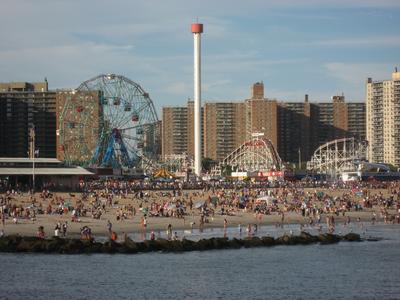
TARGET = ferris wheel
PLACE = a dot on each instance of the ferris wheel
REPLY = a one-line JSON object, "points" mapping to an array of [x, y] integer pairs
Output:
{"points": [[119, 129]]}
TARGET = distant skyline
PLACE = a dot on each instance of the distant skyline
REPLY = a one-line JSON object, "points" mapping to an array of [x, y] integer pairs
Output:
{"points": [[296, 47]]}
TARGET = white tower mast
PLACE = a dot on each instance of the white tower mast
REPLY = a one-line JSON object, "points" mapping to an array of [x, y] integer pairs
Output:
{"points": [[197, 29]]}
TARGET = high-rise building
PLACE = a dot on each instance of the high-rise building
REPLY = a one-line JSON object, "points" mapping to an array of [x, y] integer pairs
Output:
{"points": [[174, 130], [294, 136], [178, 130], [383, 119], [296, 129], [261, 114], [23, 106], [303, 127], [224, 128]]}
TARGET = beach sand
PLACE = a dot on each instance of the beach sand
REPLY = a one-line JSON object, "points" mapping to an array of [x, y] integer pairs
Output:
{"points": [[133, 224]]}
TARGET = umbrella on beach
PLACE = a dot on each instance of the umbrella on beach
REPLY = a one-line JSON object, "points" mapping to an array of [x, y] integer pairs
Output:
{"points": [[267, 199], [199, 204], [214, 200], [171, 206]]}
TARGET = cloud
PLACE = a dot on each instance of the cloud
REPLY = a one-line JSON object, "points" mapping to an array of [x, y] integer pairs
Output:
{"points": [[70, 41], [357, 73], [178, 88], [368, 41]]}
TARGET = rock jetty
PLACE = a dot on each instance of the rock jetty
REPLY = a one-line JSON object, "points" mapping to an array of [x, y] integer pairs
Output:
{"points": [[17, 243]]}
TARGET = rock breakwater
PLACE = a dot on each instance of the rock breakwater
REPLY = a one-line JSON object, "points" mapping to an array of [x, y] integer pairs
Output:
{"points": [[16, 243]]}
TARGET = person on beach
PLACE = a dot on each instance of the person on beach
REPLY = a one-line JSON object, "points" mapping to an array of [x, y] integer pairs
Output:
{"points": [[57, 229], [169, 231], [109, 227], [114, 236], [373, 220], [249, 229], [40, 233], [64, 228], [192, 226]]}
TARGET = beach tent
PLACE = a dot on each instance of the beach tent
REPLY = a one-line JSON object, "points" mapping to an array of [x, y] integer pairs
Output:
{"points": [[199, 204], [268, 199], [214, 200], [171, 206], [144, 210], [163, 173]]}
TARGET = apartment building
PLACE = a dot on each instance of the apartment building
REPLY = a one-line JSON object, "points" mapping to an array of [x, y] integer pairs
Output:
{"points": [[24, 105], [296, 129], [224, 128], [383, 119]]}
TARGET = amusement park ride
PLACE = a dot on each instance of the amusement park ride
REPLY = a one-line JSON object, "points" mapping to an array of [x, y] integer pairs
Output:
{"points": [[121, 124], [113, 123], [255, 156]]}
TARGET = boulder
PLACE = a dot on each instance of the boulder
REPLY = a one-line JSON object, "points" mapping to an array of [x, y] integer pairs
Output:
{"points": [[268, 241], [129, 246], [90, 246], [308, 238], [31, 245], [220, 243], [175, 246], [235, 243], [188, 245], [11, 242], [204, 244], [328, 238], [162, 245], [54, 244], [250, 242], [352, 237], [110, 247], [72, 246], [285, 240]]}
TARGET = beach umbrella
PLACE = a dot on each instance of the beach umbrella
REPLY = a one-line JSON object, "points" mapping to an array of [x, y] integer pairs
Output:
{"points": [[214, 200], [171, 206], [267, 199], [143, 210], [199, 204]]}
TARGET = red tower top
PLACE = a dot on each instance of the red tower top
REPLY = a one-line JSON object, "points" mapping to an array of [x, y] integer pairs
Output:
{"points": [[197, 28]]}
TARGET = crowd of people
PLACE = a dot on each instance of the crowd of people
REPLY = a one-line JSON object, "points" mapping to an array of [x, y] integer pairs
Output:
{"points": [[124, 201]]}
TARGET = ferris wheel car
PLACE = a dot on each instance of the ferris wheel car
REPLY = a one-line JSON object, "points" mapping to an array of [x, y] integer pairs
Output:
{"points": [[117, 101], [135, 117]]}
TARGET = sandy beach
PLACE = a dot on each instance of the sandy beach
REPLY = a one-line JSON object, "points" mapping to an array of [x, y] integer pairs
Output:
{"points": [[132, 224]]}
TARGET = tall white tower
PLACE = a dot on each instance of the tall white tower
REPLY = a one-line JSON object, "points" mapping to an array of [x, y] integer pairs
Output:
{"points": [[197, 30]]}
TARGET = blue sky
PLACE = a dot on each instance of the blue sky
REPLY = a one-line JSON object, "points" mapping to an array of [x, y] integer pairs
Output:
{"points": [[296, 47]]}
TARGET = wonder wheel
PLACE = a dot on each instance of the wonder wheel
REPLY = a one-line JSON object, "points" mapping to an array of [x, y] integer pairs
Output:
{"points": [[123, 125]]}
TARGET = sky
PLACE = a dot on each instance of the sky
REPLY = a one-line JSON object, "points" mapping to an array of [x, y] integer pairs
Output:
{"points": [[295, 47]]}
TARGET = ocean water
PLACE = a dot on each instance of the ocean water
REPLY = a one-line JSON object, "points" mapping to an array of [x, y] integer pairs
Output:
{"points": [[366, 270]]}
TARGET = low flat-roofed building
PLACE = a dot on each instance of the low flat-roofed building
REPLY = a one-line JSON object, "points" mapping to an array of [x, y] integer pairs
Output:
{"points": [[48, 172]]}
